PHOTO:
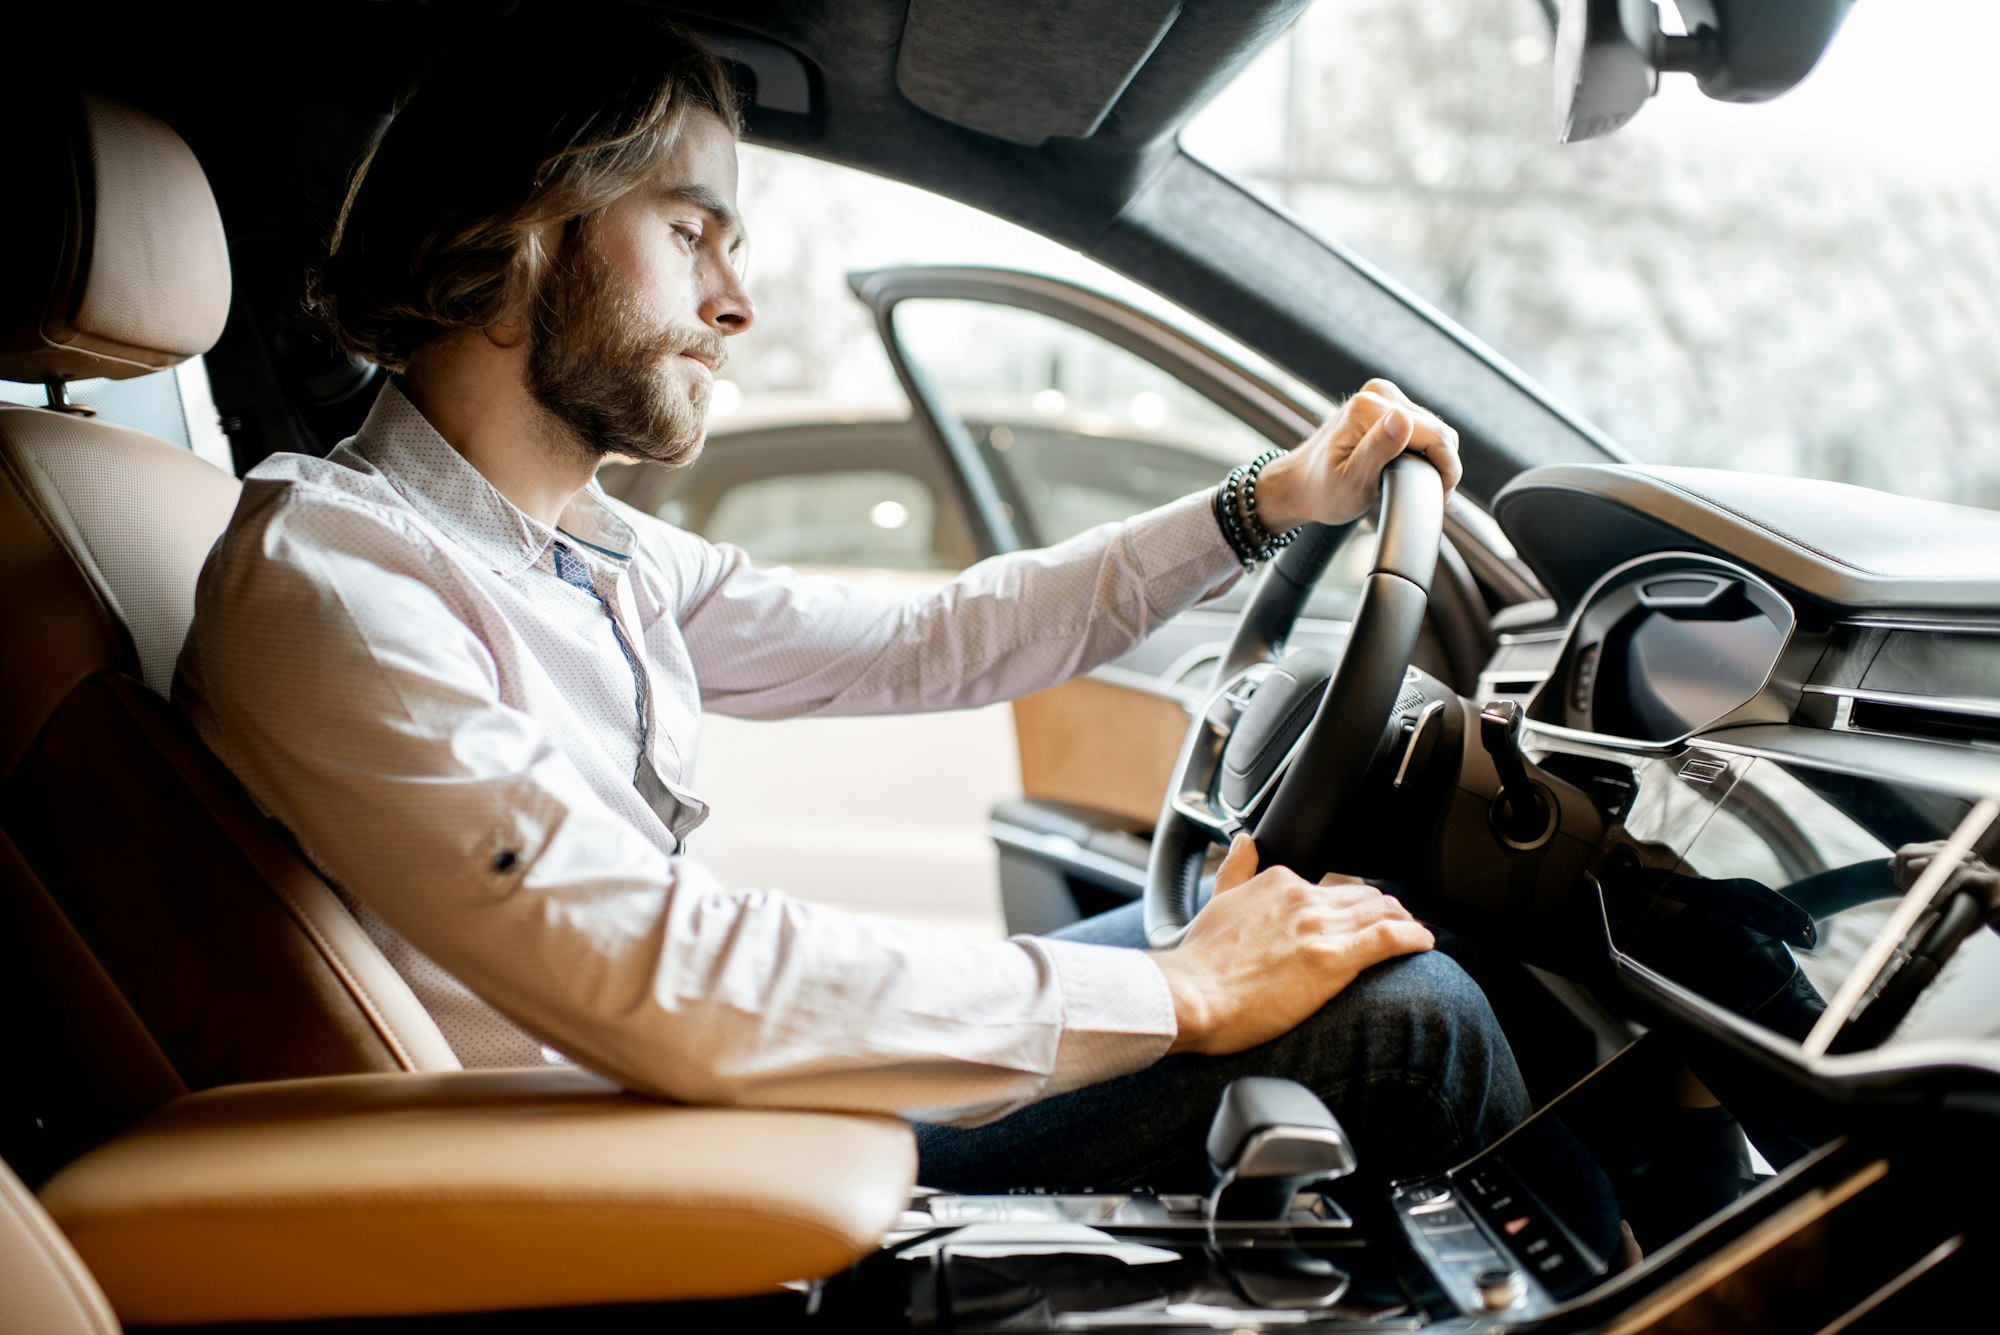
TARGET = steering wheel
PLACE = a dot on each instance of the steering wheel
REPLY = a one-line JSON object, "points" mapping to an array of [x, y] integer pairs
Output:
{"points": [[1286, 740]]}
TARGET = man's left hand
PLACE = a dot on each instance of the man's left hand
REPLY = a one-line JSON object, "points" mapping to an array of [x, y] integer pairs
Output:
{"points": [[1335, 477]]}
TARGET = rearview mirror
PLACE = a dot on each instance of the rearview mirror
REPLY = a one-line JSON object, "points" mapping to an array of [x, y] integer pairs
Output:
{"points": [[1610, 54]]}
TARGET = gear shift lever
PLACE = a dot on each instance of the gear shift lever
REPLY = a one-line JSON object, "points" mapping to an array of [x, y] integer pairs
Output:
{"points": [[1270, 1139], [1521, 813]]}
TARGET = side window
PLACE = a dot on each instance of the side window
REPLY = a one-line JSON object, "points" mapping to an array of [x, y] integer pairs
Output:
{"points": [[149, 403], [1077, 430], [174, 405], [858, 517], [825, 492]]}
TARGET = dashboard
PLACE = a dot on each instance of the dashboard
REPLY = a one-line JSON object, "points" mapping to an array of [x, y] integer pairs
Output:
{"points": [[1781, 712], [1781, 702]]}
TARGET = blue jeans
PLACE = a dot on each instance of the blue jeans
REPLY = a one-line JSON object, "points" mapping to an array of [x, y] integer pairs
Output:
{"points": [[1409, 1057]]}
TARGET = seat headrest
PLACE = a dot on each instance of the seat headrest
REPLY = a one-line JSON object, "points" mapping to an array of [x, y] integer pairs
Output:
{"points": [[112, 260]]}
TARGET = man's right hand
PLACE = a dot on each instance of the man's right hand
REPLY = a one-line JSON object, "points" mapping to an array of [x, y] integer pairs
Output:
{"points": [[1271, 948]]}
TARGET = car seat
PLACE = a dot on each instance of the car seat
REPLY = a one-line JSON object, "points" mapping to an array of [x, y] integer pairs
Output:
{"points": [[162, 937], [234, 958]]}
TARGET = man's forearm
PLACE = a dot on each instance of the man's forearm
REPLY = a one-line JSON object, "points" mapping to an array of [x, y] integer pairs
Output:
{"points": [[1006, 627]]}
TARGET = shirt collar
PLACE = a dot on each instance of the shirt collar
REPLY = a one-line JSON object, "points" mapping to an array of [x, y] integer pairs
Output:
{"points": [[439, 484]]}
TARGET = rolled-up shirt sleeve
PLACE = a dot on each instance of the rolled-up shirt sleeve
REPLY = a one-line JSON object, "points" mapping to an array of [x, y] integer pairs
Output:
{"points": [[336, 668]]}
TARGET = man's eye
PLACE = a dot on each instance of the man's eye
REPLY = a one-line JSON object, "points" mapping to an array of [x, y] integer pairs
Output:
{"points": [[689, 236]]}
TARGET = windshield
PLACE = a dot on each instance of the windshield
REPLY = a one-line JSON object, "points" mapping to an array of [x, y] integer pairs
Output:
{"points": [[1808, 286]]}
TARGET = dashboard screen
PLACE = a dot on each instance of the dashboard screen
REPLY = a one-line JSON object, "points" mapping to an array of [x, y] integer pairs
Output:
{"points": [[1681, 676], [1665, 647]]}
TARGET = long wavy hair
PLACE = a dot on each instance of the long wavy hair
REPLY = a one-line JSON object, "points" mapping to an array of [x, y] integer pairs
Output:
{"points": [[447, 217]]}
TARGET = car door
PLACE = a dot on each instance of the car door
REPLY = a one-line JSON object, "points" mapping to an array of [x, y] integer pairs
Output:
{"points": [[1063, 408]]}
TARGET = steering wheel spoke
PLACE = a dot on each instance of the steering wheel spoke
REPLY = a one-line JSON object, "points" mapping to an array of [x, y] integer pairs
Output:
{"points": [[1195, 791]]}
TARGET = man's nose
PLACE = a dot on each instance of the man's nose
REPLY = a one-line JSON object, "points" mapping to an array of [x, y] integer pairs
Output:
{"points": [[726, 307]]}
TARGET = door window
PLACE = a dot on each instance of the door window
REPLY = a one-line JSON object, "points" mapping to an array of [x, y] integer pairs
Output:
{"points": [[174, 404], [1077, 431], [855, 517], [819, 491]]}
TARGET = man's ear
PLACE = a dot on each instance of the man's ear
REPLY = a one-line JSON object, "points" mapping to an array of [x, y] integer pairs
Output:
{"points": [[508, 334]]}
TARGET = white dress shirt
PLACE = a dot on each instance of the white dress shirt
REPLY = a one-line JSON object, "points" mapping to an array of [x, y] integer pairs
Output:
{"points": [[495, 777]]}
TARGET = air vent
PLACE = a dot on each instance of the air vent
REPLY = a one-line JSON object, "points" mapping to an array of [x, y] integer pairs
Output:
{"points": [[1950, 718], [1924, 720]]}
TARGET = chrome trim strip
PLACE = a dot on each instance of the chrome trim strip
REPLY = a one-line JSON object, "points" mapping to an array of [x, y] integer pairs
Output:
{"points": [[1611, 741], [1920, 770], [1971, 625]]}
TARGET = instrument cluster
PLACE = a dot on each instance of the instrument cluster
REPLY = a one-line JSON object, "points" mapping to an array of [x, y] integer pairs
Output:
{"points": [[1664, 647]]}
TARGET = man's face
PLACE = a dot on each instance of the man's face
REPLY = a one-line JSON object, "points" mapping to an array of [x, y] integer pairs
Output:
{"points": [[630, 334]]}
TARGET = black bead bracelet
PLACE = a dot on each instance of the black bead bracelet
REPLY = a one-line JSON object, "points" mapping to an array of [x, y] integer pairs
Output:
{"points": [[1235, 507]]}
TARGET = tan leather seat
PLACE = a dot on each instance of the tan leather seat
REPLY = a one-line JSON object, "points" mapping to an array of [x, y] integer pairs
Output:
{"points": [[47, 1288], [166, 938], [469, 1191], [235, 957]]}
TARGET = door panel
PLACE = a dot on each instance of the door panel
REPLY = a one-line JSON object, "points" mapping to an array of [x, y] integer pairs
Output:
{"points": [[1100, 744]]}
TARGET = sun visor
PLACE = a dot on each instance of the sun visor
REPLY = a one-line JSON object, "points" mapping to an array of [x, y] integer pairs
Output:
{"points": [[1029, 69]]}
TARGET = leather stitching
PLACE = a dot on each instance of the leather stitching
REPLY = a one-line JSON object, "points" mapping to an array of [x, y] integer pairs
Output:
{"points": [[322, 1207]]}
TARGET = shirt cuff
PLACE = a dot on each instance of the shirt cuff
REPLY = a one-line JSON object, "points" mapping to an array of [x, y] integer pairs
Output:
{"points": [[1118, 1015]]}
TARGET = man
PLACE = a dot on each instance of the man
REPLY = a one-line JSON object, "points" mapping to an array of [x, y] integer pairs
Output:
{"points": [[467, 682]]}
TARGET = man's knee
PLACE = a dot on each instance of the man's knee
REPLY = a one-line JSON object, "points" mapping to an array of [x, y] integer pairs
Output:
{"points": [[1414, 1052], [1423, 1001]]}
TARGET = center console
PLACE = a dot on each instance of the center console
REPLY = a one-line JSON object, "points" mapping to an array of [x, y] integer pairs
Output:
{"points": [[1609, 1173]]}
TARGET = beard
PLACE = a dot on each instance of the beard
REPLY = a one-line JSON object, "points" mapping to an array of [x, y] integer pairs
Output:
{"points": [[608, 371]]}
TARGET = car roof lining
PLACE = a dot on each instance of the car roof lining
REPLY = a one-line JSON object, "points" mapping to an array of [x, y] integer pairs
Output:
{"points": [[1072, 103], [967, 62]]}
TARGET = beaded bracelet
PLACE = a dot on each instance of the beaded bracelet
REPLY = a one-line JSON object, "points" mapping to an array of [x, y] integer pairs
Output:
{"points": [[1245, 533], [1227, 518], [1268, 544]]}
